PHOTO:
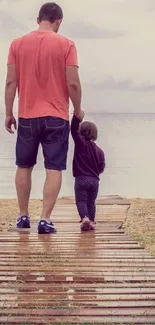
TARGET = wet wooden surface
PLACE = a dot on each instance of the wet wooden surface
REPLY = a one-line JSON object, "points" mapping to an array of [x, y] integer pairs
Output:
{"points": [[76, 278]]}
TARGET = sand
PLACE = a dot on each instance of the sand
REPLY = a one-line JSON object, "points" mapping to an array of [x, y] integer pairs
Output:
{"points": [[140, 221], [9, 212]]}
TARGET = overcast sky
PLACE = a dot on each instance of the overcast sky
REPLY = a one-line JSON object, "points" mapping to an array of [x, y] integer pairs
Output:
{"points": [[116, 48]]}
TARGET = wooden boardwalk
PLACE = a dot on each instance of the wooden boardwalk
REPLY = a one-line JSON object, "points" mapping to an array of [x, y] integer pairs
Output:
{"points": [[77, 278]]}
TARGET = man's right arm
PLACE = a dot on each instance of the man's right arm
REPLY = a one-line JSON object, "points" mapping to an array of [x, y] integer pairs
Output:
{"points": [[75, 128], [10, 89], [73, 80]]}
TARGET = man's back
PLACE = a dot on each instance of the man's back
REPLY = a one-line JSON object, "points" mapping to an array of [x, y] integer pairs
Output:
{"points": [[41, 58]]}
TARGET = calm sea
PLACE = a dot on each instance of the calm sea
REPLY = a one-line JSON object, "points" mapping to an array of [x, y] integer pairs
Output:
{"points": [[129, 144]]}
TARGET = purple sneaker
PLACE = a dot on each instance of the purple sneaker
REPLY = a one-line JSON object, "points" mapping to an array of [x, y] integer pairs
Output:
{"points": [[23, 222], [46, 227]]}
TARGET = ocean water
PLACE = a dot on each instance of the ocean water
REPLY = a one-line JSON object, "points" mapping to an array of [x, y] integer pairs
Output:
{"points": [[128, 141]]}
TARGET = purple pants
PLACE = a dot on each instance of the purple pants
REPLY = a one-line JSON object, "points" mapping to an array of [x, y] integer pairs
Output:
{"points": [[86, 191]]}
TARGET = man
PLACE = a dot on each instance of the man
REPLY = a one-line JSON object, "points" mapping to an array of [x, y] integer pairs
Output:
{"points": [[43, 66]]}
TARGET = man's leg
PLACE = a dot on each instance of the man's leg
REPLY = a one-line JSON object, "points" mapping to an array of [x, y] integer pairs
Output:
{"points": [[23, 188], [50, 192], [54, 140], [26, 155]]}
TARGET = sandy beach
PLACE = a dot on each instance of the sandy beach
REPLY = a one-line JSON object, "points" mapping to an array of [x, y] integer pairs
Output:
{"points": [[140, 221]]}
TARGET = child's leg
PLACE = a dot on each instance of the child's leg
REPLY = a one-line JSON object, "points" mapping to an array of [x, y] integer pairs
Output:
{"points": [[81, 197], [92, 196]]}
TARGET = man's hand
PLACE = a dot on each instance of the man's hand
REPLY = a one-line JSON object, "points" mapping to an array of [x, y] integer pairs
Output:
{"points": [[9, 121], [80, 115]]}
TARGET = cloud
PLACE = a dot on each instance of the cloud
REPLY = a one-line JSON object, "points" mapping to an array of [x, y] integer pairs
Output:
{"points": [[84, 30], [123, 85], [9, 26], [150, 5], [7, 21]]}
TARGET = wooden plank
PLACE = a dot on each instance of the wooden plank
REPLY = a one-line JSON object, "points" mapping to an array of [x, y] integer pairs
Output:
{"points": [[140, 311], [75, 228], [65, 248], [69, 240], [87, 267], [23, 286], [103, 200], [108, 261], [81, 279], [44, 289], [117, 320], [68, 305], [69, 270], [70, 233], [103, 254], [145, 271], [86, 237], [69, 297], [101, 259], [36, 258], [85, 246]]}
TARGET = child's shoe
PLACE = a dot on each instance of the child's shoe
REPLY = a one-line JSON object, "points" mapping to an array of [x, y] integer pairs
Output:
{"points": [[85, 225], [92, 225]]}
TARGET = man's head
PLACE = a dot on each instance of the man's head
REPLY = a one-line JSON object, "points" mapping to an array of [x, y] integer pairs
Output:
{"points": [[52, 13], [89, 131]]}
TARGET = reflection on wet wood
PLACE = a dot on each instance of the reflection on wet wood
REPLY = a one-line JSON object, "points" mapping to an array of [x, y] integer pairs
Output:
{"points": [[72, 277]]}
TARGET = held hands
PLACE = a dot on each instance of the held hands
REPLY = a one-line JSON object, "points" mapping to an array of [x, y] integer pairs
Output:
{"points": [[9, 121], [80, 115]]}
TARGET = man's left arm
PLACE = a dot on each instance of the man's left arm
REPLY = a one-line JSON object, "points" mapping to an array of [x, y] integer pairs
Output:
{"points": [[10, 89]]}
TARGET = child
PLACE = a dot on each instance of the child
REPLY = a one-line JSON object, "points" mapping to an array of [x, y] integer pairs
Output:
{"points": [[88, 164]]}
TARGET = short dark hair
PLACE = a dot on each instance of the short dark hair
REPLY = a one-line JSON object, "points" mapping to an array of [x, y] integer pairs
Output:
{"points": [[89, 130], [50, 11]]}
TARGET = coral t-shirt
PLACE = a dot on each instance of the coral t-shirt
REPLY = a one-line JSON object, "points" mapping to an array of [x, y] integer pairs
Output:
{"points": [[41, 58]]}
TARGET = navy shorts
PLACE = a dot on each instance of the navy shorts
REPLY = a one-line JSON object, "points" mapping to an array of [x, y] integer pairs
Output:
{"points": [[52, 133]]}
